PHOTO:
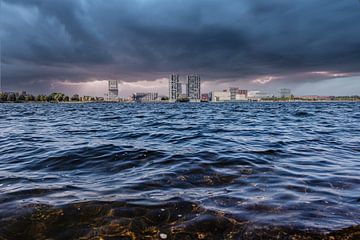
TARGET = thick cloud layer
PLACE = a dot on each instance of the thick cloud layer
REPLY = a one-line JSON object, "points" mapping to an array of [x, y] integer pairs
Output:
{"points": [[43, 41]]}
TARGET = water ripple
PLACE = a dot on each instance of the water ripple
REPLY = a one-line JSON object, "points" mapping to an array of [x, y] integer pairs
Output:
{"points": [[208, 171]]}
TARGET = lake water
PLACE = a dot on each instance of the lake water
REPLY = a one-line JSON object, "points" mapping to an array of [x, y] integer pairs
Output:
{"points": [[179, 171]]}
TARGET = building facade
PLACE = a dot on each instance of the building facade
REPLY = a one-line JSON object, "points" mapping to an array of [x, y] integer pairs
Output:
{"points": [[220, 96], [258, 95], [179, 88], [231, 94], [233, 91], [145, 97], [205, 97], [240, 97], [193, 88], [174, 87], [113, 90], [243, 92]]}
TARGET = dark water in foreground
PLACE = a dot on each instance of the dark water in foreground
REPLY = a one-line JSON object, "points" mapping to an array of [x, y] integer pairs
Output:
{"points": [[180, 171]]}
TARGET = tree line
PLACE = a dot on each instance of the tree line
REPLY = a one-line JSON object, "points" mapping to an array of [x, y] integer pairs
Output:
{"points": [[53, 97]]}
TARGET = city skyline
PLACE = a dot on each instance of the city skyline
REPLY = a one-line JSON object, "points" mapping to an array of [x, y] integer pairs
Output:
{"points": [[193, 93], [125, 89], [77, 46]]}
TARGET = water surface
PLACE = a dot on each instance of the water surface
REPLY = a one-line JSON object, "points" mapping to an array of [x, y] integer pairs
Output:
{"points": [[177, 171]]}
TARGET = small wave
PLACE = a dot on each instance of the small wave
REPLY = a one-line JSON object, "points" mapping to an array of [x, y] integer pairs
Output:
{"points": [[302, 114], [107, 158], [185, 179], [271, 152], [34, 192], [263, 155]]}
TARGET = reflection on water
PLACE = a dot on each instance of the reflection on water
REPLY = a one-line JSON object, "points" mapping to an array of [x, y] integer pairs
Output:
{"points": [[180, 171]]}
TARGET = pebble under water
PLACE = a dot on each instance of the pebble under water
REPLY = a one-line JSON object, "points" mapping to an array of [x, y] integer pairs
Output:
{"points": [[180, 171]]}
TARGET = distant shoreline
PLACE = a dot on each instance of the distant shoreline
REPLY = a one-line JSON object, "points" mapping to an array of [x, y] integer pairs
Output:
{"points": [[167, 102]]}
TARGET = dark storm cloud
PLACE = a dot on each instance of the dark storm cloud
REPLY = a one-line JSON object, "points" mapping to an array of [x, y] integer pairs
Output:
{"points": [[45, 40]]}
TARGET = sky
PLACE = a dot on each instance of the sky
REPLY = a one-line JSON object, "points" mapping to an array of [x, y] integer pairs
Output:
{"points": [[309, 46]]}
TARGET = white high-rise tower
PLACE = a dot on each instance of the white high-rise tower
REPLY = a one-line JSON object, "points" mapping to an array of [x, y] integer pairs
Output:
{"points": [[174, 87], [113, 90], [193, 87]]}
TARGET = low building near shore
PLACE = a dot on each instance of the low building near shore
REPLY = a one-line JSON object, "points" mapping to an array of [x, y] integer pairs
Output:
{"points": [[241, 97], [220, 96], [204, 97], [146, 97], [231, 94], [258, 95]]}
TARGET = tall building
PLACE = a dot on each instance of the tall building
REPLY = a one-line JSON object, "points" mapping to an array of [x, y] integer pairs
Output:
{"points": [[193, 87], [284, 93], [174, 87], [179, 88], [113, 90]]}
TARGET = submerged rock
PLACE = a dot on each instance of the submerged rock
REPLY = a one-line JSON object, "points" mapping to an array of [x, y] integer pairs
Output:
{"points": [[122, 220]]}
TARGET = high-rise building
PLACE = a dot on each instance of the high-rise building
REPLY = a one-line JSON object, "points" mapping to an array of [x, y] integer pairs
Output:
{"points": [[193, 87], [179, 88], [284, 93], [174, 87], [113, 90]]}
